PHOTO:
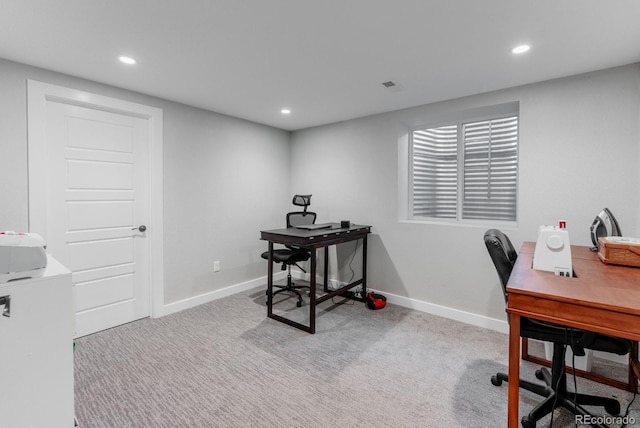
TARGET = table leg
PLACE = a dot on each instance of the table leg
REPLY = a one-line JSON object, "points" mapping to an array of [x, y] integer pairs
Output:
{"points": [[514, 370], [270, 281], [312, 293], [634, 368], [364, 267], [326, 269]]}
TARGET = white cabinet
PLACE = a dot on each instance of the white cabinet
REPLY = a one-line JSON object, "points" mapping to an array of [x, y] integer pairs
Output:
{"points": [[36, 351]]}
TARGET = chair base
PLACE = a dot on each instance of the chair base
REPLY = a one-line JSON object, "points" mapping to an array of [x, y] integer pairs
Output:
{"points": [[290, 287], [555, 392]]}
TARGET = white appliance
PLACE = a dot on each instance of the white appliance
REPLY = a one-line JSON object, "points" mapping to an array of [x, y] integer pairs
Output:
{"points": [[22, 255], [553, 251], [36, 351]]}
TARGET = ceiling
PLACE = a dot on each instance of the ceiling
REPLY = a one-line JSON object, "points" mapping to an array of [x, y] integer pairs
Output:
{"points": [[326, 60]]}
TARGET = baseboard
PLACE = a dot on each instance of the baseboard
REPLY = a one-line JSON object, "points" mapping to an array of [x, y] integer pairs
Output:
{"points": [[443, 311], [200, 299]]}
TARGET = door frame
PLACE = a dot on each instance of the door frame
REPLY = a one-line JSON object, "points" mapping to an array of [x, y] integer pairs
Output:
{"points": [[38, 93]]}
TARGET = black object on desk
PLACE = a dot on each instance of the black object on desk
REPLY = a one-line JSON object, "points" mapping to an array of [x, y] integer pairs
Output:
{"points": [[312, 240]]}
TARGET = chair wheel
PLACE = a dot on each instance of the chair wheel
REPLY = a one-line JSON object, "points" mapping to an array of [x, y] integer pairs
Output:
{"points": [[496, 381], [299, 304], [526, 423], [613, 408], [539, 374]]}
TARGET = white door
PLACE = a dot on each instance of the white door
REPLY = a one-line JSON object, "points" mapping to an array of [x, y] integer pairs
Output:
{"points": [[97, 200]]}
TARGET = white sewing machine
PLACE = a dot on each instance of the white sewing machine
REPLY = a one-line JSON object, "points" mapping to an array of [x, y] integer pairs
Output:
{"points": [[22, 255], [553, 251]]}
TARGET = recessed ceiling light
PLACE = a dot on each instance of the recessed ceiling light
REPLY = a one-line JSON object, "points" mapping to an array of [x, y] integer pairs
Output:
{"points": [[285, 111], [127, 60], [521, 49]]}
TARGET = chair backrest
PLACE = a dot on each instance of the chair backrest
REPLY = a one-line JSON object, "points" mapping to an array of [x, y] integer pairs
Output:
{"points": [[300, 218], [503, 255]]}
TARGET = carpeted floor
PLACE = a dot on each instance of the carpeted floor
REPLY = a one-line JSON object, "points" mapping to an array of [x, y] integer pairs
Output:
{"points": [[225, 364]]}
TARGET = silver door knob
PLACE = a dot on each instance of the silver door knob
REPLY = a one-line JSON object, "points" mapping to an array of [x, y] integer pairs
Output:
{"points": [[141, 228]]}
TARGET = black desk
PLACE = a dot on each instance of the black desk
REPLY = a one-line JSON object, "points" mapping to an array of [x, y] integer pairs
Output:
{"points": [[312, 240]]}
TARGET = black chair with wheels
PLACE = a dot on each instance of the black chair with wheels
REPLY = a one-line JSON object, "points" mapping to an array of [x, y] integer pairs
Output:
{"points": [[504, 256], [292, 255]]}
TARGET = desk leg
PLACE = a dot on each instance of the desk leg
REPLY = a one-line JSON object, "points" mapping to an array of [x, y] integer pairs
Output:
{"points": [[326, 269], [364, 267], [514, 370], [312, 293], [634, 368], [270, 281]]}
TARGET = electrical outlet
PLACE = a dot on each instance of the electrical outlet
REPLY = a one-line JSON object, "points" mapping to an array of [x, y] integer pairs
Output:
{"points": [[216, 266]]}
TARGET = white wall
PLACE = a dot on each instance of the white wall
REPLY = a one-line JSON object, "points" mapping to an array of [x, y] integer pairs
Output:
{"points": [[224, 180], [579, 152]]}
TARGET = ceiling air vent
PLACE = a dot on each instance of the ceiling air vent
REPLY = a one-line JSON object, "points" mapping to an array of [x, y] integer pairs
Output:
{"points": [[392, 86]]}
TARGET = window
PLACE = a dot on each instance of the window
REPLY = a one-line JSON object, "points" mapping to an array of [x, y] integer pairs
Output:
{"points": [[465, 170]]}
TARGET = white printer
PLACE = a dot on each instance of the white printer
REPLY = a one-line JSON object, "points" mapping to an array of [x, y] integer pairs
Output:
{"points": [[553, 251], [22, 255]]}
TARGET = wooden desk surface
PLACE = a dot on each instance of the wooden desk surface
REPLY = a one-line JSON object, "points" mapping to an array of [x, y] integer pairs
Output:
{"points": [[604, 290], [602, 298]]}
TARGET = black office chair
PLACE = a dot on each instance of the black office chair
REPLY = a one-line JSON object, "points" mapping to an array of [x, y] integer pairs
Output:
{"points": [[293, 255], [504, 255]]}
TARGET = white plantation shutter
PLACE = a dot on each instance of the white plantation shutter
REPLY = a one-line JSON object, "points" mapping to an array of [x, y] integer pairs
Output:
{"points": [[466, 171], [490, 169], [435, 172]]}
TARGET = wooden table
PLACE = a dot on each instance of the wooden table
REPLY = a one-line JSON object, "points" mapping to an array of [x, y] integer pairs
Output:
{"points": [[313, 240], [602, 298]]}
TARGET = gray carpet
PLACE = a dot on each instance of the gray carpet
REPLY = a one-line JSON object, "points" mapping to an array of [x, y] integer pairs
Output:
{"points": [[224, 364]]}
